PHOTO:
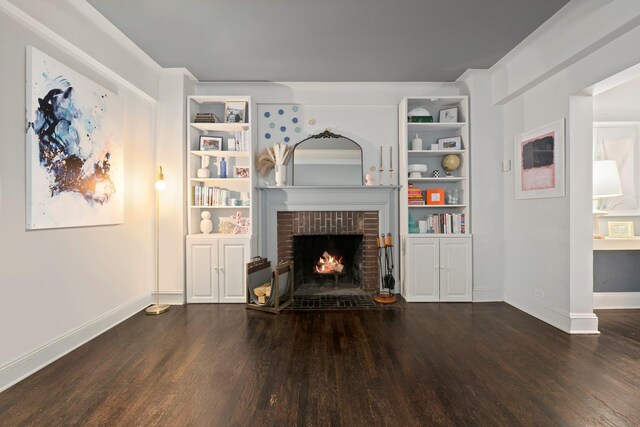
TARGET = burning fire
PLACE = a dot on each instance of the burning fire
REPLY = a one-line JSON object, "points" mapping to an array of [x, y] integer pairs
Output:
{"points": [[328, 264]]}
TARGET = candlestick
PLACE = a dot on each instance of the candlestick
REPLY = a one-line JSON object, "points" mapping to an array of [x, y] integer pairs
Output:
{"points": [[390, 165], [380, 168]]}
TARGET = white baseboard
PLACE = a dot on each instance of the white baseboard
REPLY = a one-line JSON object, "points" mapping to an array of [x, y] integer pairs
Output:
{"points": [[613, 300], [571, 323], [488, 295], [25, 365], [171, 297]]}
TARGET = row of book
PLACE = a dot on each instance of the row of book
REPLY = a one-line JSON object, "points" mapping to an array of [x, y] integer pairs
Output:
{"points": [[446, 223], [415, 196], [210, 196]]}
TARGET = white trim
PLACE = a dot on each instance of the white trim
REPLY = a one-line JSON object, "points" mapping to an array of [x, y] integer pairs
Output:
{"points": [[583, 324], [53, 37], [181, 71], [613, 300], [171, 297], [488, 295], [30, 362]]}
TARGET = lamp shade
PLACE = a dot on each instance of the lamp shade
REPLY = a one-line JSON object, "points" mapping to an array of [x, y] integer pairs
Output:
{"points": [[606, 179]]}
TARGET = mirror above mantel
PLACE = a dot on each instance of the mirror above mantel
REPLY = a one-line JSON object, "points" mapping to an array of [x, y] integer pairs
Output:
{"points": [[327, 159]]}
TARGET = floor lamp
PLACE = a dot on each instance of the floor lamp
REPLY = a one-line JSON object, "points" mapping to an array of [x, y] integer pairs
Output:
{"points": [[606, 183], [158, 308]]}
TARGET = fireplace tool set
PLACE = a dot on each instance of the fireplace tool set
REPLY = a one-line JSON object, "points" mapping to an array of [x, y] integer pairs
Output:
{"points": [[385, 251]]}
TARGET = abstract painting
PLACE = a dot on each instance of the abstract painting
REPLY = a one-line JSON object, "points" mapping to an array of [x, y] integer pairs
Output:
{"points": [[539, 162], [74, 148], [619, 141], [280, 123]]}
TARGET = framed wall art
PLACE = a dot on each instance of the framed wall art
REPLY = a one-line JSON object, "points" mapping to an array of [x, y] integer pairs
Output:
{"points": [[539, 162], [75, 164]]}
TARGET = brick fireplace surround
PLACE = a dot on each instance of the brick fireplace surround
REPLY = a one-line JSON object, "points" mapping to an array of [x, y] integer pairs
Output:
{"points": [[309, 223]]}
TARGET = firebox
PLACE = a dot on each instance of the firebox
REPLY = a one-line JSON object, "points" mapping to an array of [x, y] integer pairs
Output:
{"points": [[325, 260]]}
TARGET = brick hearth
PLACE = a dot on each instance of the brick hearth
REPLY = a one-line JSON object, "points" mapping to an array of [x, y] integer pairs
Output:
{"points": [[302, 223]]}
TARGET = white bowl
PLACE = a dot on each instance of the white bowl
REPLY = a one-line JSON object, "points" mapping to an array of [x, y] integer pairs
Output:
{"points": [[416, 171], [419, 112]]}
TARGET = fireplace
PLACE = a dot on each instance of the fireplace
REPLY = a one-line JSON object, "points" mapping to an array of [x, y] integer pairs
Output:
{"points": [[305, 236]]}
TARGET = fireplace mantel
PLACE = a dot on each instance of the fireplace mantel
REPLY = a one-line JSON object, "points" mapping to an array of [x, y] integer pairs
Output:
{"points": [[379, 198]]}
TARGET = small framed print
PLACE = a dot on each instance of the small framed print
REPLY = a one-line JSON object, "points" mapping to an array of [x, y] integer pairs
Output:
{"points": [[235, 112], [449, 115], [241, 171], [450, 143], [435, 196], [210, 143], [620, 229]]}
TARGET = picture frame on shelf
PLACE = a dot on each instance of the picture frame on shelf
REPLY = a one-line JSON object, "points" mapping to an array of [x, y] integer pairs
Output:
{"points": [[435, 196], [210, 143], [450, 143], [448, 115], [539, 162], [235, 112], [620, 229], [241, 171]]}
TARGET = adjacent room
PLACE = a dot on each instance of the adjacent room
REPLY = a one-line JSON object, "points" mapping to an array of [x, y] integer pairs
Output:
{"points": [[320, 213]]}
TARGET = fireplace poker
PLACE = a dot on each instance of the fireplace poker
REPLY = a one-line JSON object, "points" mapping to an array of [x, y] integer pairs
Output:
{"points": [[380, 258], [385, 246], [390, 281]]}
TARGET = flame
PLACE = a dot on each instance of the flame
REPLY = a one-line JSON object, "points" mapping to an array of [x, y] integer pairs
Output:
{"points": [[328, 264]]}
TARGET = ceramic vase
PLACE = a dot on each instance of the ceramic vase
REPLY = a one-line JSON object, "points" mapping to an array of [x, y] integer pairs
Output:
{"points": [[281, 175], [206, 225]]}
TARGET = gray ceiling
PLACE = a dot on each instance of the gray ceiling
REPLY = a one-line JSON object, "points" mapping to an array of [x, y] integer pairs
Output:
{"points": [[327, 40]]}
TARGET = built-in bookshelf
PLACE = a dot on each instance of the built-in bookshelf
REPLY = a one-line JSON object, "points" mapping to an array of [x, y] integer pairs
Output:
{"points": [[436, 260], [221, 196], [456, 181]]}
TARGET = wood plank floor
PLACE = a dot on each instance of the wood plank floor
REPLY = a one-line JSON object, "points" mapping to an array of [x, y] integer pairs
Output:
{"points": [[425, 364]]}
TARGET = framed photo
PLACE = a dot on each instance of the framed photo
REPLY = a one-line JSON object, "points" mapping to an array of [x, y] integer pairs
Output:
{"points": [[620, 141], [235, 112], [210, 143], [450, 143], [449, 115], [620, 229], [539, 162], [435, 196], [241, 171]]}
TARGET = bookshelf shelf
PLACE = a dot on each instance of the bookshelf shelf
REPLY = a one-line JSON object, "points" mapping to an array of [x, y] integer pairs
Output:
{"points": [[437, 206], [219, 207], [445, 179], [221, 127], [435, 153], [418, 127], [220, 153], [220, 180]]}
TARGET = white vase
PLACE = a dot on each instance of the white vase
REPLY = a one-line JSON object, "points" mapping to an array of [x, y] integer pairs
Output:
{"points": [[281, 175], [206, 225]]}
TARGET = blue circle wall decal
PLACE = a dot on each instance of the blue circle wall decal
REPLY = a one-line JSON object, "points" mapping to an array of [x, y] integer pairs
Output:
{"points": [[267, 114], [287, 139], [283, 128], [297, 130], [281, 112], [267, 135], [272, 125], [294, 120], [295, 108]]}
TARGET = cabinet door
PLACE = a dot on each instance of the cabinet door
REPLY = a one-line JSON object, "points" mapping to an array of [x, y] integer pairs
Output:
{"points": [[234, 256], [455, 269], [423, 260], [202, 271]]}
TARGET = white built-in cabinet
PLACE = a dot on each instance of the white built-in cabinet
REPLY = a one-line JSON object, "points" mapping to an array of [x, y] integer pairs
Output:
{"points": [[436, 266], [438, 269], [216, 262], [215, 270]]}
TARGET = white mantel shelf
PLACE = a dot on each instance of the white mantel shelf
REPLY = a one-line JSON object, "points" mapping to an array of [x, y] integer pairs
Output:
{"points": [[331, 187]]}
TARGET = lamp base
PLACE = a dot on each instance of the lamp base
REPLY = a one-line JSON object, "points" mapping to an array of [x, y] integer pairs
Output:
{"points": [[156, 309]]}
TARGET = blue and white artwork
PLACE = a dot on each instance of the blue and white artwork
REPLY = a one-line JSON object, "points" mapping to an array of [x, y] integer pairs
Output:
{"points": [[74, 148], [280, 123]]}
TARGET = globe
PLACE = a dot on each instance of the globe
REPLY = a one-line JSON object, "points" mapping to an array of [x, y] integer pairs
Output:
{"points": [[451, 162]]}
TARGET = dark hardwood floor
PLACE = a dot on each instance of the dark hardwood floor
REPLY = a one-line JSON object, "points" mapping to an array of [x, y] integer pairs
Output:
{"points": [[424, 364]]}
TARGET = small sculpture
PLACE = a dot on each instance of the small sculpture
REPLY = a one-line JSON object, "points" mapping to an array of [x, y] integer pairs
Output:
{"points": [[369, 177], [436, 174], [206, 225]]}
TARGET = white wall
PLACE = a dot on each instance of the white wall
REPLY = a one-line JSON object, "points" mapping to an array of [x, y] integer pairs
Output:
{"points": [[60, 287], [545, 239]]}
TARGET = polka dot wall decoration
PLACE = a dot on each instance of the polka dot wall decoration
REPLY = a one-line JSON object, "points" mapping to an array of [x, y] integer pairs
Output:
{"points": [[280, 123]]}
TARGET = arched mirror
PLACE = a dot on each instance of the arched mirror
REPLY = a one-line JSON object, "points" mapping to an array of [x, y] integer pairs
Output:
{"points": [[327, 159]]}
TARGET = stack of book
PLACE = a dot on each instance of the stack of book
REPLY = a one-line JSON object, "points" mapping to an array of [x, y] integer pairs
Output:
{"points": [[210, 196], [415, 196], [206, 118], [447, 223]]}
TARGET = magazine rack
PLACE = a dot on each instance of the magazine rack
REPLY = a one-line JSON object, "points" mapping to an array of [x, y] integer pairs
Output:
{"points": [[259, 273]]}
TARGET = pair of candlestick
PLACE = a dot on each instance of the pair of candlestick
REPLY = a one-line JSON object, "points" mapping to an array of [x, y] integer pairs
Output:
{"points": [[381, 168]]}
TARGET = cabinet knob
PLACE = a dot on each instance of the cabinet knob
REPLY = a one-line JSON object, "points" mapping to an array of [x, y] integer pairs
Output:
{"points": [[215, 268], [221, 270]]}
